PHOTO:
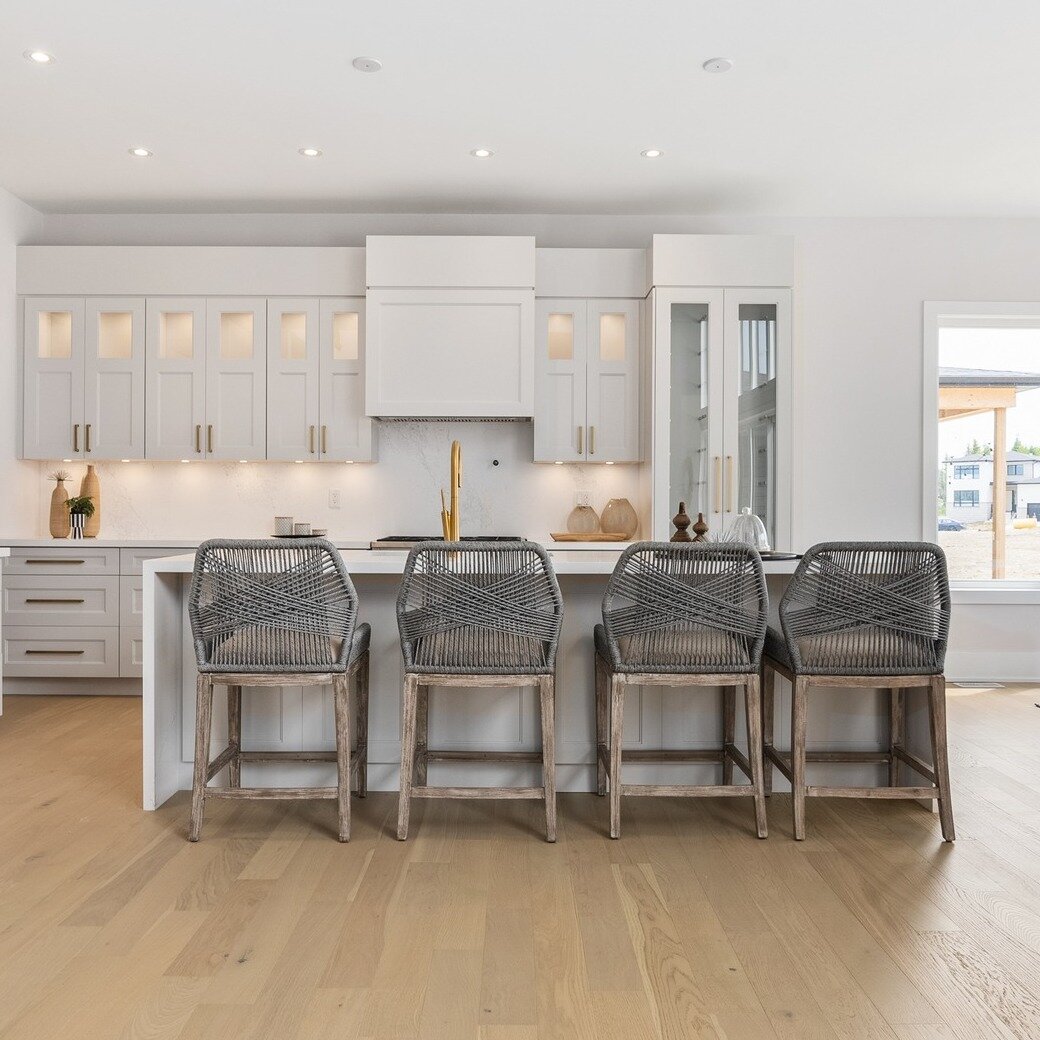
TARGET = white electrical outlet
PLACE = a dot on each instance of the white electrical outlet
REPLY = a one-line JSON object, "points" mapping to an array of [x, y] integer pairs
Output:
{"points": [[335, 501], [583, 498]]}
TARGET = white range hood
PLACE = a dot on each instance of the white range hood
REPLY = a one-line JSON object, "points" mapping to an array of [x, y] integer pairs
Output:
{"points": [[450, 327]]}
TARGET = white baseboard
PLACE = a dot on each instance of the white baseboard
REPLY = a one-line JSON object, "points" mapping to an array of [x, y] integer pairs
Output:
{"points": [[993, 666], [72, 687]]}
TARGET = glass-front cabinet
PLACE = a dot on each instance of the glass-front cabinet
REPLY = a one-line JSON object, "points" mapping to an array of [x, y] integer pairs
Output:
{"points": [[721, 431]]}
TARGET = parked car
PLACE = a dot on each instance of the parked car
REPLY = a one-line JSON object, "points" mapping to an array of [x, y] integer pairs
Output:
{"points": [[947, 524]]}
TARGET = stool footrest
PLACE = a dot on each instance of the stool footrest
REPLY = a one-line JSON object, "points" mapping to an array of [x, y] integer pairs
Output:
{"points": [[276, 793], [688, 791], [288, 756], [478, 792], [872, 792], [480, 756]]}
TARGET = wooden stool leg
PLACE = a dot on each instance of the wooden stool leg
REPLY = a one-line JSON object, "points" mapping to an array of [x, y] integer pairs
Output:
{"points": [[897, 731], [404, 798], [547, 695], [768, 690], [940, 756], [729, 731], [617, 719], [602, 723], [753, 706], [799, 697], [341, 701], [362, 726], [422, 734], [203, 726], [234, 728]]}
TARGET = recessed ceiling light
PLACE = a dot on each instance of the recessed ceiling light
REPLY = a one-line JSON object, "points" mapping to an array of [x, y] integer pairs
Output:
{"points": [[40, 57], [311, 153], [482, 153], [652, 153], [367, 64], [718, 65], [141, 153]]}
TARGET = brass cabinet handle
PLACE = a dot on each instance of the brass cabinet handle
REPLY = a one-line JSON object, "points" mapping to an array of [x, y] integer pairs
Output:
{"points": [[55, 651], [718, 484], [581, 440], [592, 440], [324, 439], [59, 559], [54, 601], [75, 437], [87, 436], [209, 438], [198, 438], [310, 438], [729, 482]]}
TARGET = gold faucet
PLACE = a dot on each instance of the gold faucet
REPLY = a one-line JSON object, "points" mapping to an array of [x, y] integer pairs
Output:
{"points": [[450, 520]]}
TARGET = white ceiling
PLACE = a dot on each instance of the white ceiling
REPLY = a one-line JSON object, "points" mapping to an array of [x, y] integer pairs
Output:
{"points": [[847, 107]]}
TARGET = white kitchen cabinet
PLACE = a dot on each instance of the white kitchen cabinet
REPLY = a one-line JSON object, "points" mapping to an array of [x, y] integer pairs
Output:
{"points": [[84, 378], [345, 432], [236, 378], [587, 396]]}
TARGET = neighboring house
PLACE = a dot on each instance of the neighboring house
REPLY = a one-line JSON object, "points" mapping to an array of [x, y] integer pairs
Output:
{"points": [[969, 487]]}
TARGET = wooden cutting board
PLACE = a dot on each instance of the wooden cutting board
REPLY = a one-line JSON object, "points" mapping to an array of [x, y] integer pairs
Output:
{"points": [[599, 536]]}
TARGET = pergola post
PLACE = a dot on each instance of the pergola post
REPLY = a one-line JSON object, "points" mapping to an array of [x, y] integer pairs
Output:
{"points": [[999, 491]]}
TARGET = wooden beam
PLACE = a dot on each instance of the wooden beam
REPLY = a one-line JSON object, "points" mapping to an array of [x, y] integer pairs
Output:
{"points": [[999, 491], [975, 398]]}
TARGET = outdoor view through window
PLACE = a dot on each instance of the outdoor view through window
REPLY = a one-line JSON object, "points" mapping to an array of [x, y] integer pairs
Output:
{"points": [[989, 452]]}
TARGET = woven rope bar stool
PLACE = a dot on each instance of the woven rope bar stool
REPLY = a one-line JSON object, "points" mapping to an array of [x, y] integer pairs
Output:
{"points": [[276, 613], [477, 614], [863, 614], [682, 615]]}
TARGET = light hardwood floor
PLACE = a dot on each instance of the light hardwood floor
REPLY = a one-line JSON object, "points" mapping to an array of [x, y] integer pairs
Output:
{"points": [[113, 925]]}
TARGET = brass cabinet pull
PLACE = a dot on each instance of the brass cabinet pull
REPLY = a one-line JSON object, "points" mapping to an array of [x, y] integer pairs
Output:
{"points": [[55, 651], [310, 438], [718, 484], [592, 440], [581, 440], [198, 438], [59, 559], [729, 483], [75, 437], [209, 438], [324, 439], [87, 436], [54, 601]]}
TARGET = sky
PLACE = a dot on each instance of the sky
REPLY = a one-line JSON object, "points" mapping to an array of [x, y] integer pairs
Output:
{"points": [[1014, 350]]}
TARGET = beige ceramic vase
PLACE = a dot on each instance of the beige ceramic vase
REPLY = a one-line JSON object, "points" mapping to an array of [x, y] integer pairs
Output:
{"points": [[583, 520], [619, 517], [92, 486], [59, 519]]}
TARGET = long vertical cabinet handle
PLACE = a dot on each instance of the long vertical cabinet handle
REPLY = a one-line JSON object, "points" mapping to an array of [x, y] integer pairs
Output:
{"points": [[716, 507], [75, 437], [592, 440], [310, 438], [86, 432], [198, 438], [209, 438], [729, 483], [581, 440], [324, 439]]}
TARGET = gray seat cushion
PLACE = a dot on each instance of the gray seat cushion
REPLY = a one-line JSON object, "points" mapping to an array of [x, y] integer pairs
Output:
{"points": [[717, 651], [854, 652], [232, 654]]}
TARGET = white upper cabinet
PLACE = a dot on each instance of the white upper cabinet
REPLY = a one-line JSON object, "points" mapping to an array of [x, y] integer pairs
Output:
{"points": [[345, 432], [587, 368], [236, 378], [114, 374]]}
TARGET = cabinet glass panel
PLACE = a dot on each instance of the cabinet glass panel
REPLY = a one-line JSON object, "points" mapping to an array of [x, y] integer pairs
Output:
{"points": [[690, 458], [294, 337], [345, 336], [236, 336], [55, 334], [612, 337], [176, 335], [756, 413], [561, 337], [115, 335]]}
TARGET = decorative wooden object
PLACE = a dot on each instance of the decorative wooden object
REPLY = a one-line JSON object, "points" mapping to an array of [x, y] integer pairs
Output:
{"points": [[700, 529], [60, 523], [91, 487], [681, 521], [598, 536]]}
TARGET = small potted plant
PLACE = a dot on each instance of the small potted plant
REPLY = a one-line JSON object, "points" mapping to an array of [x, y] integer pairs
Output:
{"points": [[80, 508]]}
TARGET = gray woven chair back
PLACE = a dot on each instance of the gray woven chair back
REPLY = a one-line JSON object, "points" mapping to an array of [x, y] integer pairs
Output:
{"points": [[285, 605], [690, 608], [868, 608], [481, 608]]}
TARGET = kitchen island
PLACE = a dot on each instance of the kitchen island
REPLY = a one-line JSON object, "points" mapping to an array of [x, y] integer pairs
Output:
{"points": [[494, 719]]}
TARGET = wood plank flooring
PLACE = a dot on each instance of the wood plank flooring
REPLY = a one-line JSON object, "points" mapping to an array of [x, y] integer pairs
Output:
{"points": [[113, 926]]}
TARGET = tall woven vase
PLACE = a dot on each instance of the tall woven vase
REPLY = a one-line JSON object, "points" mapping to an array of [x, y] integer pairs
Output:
{"points": [[59, 520], [92, 486]]}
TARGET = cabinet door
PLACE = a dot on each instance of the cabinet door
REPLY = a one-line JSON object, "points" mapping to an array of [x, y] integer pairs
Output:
{"points": [[113, 407], [612, 375], [52, 415], [688, 400], [757, 411], [560, 383], [292, 379], [236, 378], [175, 378], [345, 430]]}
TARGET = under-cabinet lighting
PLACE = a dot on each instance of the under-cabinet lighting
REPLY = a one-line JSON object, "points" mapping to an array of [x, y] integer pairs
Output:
{"points": [[40, 57], [558, 462], [349, 462], [124, 460], [298, 461], [243, 460], [66, 460], [310, 153], [185, 461], [141, 153], [608, 463]]}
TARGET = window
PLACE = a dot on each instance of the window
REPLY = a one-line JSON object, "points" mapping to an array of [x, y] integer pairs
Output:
{"points": [[965, 472], [1015, 469], [962, 499]]}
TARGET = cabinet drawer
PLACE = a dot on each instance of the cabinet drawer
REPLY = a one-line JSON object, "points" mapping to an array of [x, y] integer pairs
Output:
{"points": [[79, 559], [131, 601], [131, 652], [131, 560], [61, 652], [56, 599]]}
